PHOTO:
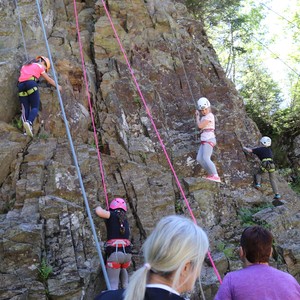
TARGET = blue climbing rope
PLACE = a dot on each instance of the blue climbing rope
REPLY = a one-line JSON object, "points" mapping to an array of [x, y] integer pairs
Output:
{"points": [[21, 29], [73, 150]]}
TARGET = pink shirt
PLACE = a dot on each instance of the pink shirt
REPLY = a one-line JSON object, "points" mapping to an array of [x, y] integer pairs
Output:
{"points": [[28, 71], [208, 131]]}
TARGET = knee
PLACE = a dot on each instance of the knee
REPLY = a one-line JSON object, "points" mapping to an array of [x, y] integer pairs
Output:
{"points": [[200, 159]]}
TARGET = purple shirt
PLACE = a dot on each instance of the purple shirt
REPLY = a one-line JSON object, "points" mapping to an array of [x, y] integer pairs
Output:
{"points": [[258, 282]]}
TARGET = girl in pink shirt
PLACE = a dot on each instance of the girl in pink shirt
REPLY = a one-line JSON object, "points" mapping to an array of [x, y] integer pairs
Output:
{"points": [[28, 90], [206, 123]]}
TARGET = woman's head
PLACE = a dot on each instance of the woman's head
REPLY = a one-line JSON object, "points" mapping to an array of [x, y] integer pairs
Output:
{"points": [[176, 249], [173, 253], [256, 244]]}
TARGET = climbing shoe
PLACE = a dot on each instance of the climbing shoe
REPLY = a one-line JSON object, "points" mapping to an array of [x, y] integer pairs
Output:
{"points": [[28, 128], [215, 178], [257, 186], [277, 202]]}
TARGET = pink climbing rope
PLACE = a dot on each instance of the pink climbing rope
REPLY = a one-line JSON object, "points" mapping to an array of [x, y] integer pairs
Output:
{"points": [[156, 131], [90, 106]]}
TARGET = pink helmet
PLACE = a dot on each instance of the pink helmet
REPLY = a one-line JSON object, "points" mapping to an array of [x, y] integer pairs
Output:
{"points": [[118, 203]]}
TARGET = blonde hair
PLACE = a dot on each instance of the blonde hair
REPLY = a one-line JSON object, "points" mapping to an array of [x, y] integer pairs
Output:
{"points": [[174, 242]]}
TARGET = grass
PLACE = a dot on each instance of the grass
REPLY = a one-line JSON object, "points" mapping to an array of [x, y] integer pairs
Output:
{"points": [[17, 122], [43, 136], [44, 271], [228, 251], [137, 101], [246, 215]]}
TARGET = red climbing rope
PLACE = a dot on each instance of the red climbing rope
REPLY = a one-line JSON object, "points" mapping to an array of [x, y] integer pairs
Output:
{"points": [[156, 131], [90, 106]]}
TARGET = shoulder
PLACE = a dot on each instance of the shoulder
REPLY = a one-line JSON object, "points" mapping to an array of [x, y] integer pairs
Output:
{"points": [[39, 67], [110, 295], [258, 149], [209, 117], [158, 293]]}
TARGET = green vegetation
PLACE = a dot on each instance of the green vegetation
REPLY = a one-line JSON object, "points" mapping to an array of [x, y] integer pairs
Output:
{"points": [[295, 185], [17, 122], [235, 29], [43, 136], [246, 215], [44, 271], [137, 101], [228, 251], [179, 206]]}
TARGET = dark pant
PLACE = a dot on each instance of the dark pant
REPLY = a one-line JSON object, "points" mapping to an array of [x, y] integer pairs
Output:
{"points": [[30, 104]]}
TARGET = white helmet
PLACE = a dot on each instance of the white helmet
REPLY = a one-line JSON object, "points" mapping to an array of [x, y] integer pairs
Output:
{"points": [[266, 141], [203, 103]]}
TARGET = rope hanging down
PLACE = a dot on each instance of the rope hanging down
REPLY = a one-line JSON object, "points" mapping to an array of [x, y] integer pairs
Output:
{"points": [[90, 105], [183, 67], [21, 29], [73, 150], [156, 131]]}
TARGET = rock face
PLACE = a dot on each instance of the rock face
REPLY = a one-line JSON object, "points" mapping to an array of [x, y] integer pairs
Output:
{"points": [[44, 221]]}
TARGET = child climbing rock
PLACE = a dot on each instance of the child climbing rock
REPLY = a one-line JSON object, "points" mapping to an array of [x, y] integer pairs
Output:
{"points": [[267, 165], [118, 245], [28, 89], [206, 123]]}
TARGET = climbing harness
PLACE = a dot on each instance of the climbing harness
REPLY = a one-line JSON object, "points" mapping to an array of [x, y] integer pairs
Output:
{"points": [[207, 142], [118, 243], [156, 131], [116, 265], [267, 165], [28, 92], [75, 160]]}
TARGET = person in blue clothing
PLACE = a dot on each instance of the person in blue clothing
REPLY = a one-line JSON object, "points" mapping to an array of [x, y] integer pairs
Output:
{"points": [[118, 246], [174, 253], [264, 153]]}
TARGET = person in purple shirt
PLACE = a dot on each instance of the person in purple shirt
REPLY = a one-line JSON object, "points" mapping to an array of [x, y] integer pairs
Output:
{"points": [[257, 280]]}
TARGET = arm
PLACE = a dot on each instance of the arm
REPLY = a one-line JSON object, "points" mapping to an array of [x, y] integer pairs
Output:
{"points": [[224, 291], [249, 150], [102, 213], [201, 124], [50, 80]]}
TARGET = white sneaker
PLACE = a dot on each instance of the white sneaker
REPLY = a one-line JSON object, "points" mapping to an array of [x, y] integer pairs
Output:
{"points": [[28, 128]]}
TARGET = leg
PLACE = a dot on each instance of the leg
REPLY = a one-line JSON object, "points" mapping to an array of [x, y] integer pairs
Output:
{"points": [[34, 102], [25, 108], [210, 166], [258, 177], [273, 183], [113, 273], [124, 273], [200, 158]]}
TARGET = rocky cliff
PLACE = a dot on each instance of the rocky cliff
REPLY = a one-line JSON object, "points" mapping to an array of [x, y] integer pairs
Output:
{"points": [[43, 221]]}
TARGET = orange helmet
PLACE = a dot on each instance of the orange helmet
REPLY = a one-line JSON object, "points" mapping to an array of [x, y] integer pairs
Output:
{"points": [[46, 60]]}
